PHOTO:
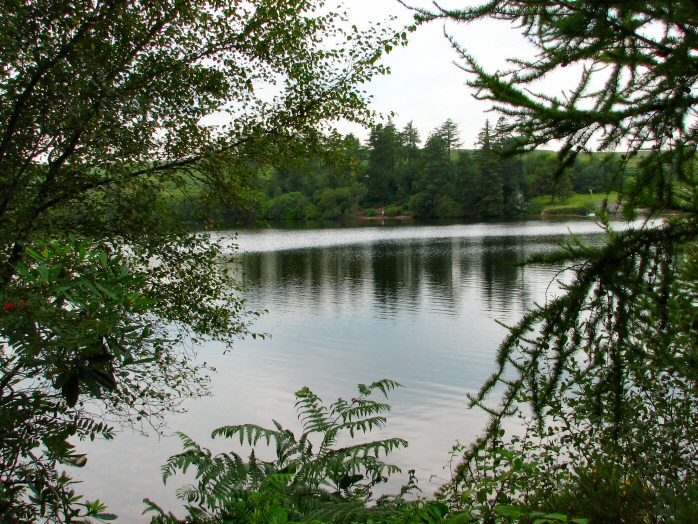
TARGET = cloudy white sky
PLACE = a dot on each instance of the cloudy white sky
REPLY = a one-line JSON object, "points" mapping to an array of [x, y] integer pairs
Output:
{"points": [[425, 86]]}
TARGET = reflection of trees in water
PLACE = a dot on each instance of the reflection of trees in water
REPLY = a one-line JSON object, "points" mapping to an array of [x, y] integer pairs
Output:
{"points": [[393, 276], [341, 276], [439, 267], [502, 283], [328, 278], [344, 271]]}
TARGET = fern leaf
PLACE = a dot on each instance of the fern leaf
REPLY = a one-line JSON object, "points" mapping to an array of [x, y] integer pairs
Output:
{"points": [[384, 386], [246, 433]]}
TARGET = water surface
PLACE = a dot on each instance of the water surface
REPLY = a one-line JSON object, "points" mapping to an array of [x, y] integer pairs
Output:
{"points": [[417, 304]]}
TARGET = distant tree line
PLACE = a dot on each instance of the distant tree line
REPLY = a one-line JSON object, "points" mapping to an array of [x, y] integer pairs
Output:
{"points": [[438, 180], [392, 171]]}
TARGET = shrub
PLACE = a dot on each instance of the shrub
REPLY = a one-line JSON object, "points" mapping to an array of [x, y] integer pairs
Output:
{"points": [[290, 206], [448, 208], [311, 212], [392, 211], [421, 204]]}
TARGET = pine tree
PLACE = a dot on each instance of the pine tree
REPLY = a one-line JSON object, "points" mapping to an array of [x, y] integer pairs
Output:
{"points": [[608, 367], [411, 141], [450, 134], [467, 181], [385, 144], [409, 163], [489, 191], [510, 167]]}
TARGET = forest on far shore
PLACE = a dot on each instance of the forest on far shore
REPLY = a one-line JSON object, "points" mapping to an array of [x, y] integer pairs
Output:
{"points": [[393, 174]]}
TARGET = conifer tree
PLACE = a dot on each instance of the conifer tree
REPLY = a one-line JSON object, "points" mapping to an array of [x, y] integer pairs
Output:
{"points": [[450, 134], [411, 141], [608, 367], [510, 167], [409, 162], [381, 173], [489, 192]]}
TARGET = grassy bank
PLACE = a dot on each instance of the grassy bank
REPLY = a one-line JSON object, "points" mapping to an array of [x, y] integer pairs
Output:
{"points": [[574, 205]]}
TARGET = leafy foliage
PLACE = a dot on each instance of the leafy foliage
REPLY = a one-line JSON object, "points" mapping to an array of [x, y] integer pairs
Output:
{"points": [[314, 476], [103, 118]]}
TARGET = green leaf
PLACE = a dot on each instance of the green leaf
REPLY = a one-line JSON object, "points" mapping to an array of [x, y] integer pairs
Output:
{"points": [[70, 387], [556, 516], [508, 511], [105, 516], [348, 480]]}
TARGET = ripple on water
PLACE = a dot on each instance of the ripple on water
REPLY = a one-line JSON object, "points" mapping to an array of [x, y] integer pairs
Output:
{"points": [[349, 306]]}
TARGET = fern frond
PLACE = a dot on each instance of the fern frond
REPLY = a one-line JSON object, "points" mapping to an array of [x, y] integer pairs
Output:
{"points": [[338, 406], [302, 477], [364, 409], [364, 425], [151, 506], [182, 462], [187, 442], [311, 411], [188, 493], [247, 433], [383, 386]]}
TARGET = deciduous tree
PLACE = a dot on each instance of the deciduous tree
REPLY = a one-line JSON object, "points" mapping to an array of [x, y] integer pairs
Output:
{"points": [[105, 113]]}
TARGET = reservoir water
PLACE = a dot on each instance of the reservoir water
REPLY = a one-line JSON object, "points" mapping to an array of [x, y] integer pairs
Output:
{"points": [[417, 304]]}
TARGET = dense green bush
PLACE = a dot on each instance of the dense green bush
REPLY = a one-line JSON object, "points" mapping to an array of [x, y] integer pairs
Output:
{"points": [[421, 205], [325, 200], [312, 212], [392, 211], [327, 203], [446, 207], [290, 206], [349, 198]]}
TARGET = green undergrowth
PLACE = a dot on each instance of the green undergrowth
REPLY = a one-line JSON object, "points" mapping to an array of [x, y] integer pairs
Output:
{"points": [[328, 473]]}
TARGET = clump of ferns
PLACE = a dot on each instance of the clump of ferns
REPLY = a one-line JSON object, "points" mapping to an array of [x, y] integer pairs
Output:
{"points": [[310, 470]]}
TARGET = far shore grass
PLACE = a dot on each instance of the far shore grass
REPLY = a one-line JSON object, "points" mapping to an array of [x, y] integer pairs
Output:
{"points": [[575, 205]]}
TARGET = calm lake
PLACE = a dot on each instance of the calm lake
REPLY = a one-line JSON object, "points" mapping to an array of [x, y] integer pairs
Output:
{"points": [[417, 304]]}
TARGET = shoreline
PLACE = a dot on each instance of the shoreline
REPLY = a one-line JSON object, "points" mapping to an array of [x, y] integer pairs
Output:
{"points": [[400, 218]]}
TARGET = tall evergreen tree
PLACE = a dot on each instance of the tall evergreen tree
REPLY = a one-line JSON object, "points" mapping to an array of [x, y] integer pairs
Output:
{"points": [[510, 168], [410, 141], [450, 134], [385, 144], [434, 176], [608, 367], [489, 190], [467, 182], [436, 167], [410, 160], [354, 154]]}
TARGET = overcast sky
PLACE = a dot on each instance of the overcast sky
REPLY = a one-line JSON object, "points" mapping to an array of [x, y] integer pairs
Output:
{"points": [[425, 86]]}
